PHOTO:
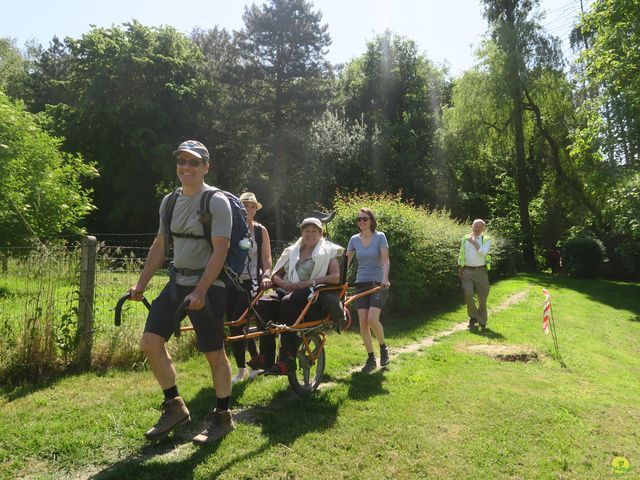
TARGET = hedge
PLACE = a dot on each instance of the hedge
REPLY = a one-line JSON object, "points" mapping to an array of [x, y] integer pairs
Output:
{"points": [[423, 247]]}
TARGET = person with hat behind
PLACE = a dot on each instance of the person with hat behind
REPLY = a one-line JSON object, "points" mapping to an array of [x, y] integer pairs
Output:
{"points": [[312, 260], [198, 265], [256, 274]]}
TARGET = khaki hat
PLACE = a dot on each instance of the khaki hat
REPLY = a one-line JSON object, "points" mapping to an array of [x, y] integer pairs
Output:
{"points": [[311, 221], [250, 197]]}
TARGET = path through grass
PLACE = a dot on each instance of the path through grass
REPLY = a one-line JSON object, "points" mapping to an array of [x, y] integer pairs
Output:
{"points": [[438, 412]]}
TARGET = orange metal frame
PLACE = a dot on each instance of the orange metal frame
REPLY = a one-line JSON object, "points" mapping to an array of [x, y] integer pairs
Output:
{"points": [[299, 324]]}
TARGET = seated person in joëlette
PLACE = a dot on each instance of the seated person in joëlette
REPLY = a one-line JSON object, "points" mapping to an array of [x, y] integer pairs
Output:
{"points": [[310, 261]]}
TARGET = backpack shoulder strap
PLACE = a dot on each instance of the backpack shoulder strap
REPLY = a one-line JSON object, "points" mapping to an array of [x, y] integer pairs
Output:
{"points": [[166, 220], [205, 214], [257, 230]]}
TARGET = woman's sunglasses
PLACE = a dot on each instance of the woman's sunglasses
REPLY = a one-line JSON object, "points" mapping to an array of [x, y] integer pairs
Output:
{"points": [[362, 219], [193, 162]]}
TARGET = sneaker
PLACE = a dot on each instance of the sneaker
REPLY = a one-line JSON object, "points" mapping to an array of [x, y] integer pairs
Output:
{"points": [[241, 375], [254, 373], [174, 414], [369, 366], [220, 424], [279, 368], [257, 362], [384, 357], [472, 322], [483, 328]]}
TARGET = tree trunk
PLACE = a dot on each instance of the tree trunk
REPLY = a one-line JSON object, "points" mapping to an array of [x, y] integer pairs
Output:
{"points": [[521, 180]]}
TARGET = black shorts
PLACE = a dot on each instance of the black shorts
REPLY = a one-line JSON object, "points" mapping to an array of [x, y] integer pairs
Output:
{"points": [[207, 322], [376, 299]]}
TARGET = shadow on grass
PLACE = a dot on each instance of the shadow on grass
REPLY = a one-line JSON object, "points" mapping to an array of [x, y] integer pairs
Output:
{"points": [[363, 386], [24, 389], [488, 333], [291, 418], [620, 295]]}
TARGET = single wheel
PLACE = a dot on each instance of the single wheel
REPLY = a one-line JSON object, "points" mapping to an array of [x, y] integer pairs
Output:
{"points": [[310, 360]]}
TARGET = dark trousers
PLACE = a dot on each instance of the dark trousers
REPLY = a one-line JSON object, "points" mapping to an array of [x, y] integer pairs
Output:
{"points": [[237, 302], [284, 308]]}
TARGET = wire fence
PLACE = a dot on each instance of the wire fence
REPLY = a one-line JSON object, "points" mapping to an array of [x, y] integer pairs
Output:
{"points": [[40, 301]]}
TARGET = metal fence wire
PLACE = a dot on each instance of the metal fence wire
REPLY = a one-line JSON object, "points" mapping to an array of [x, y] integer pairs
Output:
{"points": [[40, 300]]}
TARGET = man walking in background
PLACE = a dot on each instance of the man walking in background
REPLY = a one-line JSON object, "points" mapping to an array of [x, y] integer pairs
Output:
{"points": [[197, 266], [474, 262]]}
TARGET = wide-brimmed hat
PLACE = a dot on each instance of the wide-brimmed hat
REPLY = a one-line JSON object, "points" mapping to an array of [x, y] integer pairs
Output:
{"points": [[195, 148], [250, 197], [311, 221]]}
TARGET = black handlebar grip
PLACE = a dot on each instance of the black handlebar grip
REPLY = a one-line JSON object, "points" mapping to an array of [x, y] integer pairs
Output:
{"points": [[117, 320]]}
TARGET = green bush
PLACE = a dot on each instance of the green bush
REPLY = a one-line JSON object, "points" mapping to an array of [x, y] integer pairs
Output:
{"points": [[583, 256], [423, 247]]}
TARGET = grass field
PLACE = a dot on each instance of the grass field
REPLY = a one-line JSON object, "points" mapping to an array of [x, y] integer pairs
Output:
{"points": [[441, 412]]}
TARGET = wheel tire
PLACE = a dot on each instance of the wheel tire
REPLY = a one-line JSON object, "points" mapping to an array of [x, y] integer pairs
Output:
{"points": [[307, 375]]}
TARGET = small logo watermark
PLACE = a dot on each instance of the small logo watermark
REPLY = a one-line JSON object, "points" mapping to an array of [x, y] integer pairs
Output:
{"points": [[620, 465]]}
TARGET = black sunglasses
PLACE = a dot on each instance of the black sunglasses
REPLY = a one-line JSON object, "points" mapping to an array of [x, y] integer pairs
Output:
{"points": [[363, 219], [194, 162]]}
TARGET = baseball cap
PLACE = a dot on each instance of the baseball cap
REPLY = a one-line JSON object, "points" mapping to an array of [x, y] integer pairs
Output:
{"points": [[195, 148], [311, 221]]}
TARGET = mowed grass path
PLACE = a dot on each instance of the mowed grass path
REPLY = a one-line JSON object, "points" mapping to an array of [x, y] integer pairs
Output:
{"points": [[438, 413]]}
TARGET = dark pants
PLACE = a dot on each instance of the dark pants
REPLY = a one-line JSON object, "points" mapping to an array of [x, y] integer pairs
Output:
{"points": [[284, 308], [208, 322], [237, 302]]}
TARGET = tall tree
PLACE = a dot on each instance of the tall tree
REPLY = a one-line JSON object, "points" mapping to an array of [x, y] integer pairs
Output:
{"points": [[136, 94], [397, 92], [13, 71], [526, 49], [284, 44]]}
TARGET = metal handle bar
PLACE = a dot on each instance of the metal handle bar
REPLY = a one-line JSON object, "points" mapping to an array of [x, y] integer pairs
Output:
{"points": [[117, 320]]}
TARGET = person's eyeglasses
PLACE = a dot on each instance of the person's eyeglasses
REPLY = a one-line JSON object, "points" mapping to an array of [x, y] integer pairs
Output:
{"points": [[362, 219], [193, 162]]}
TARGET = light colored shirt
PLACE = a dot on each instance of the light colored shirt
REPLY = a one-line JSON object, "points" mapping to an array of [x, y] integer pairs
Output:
{"points": [[252, 258], [194, 253], [473, 257]]}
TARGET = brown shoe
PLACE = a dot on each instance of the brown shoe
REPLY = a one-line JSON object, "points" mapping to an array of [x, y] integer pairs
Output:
{"points": [[221, 424], [174, 414]]}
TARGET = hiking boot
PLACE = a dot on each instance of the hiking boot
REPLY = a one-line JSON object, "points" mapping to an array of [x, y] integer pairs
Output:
{"points": [[369, 366], [278, 368], [220, 424], [239, 376], [472, 322], [174, 414], [384, 357], [257, 362]]}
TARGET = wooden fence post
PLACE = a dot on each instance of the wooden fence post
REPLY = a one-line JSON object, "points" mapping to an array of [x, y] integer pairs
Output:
{"points": [[85, 307]]}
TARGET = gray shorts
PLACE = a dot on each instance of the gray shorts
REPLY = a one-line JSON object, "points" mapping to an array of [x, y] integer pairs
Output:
{"points": [[208, 323], [376, 299]]}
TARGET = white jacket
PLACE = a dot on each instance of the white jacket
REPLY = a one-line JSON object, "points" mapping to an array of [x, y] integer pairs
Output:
{"points": [[322, 255]]}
